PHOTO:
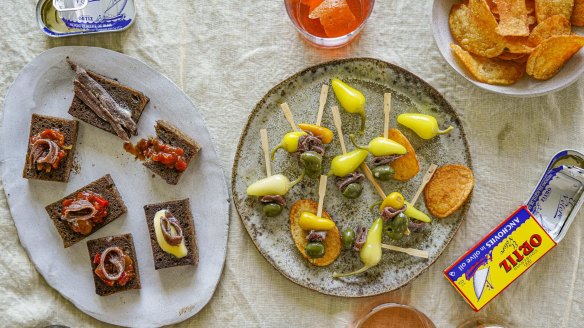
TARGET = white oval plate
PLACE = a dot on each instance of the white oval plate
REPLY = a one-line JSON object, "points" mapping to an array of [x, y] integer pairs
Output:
{"points": [[167, 296], [527, 86]]}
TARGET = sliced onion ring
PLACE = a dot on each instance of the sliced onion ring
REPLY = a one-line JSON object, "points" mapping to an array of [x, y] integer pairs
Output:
{"points": [[118, 261], [165, 222]]}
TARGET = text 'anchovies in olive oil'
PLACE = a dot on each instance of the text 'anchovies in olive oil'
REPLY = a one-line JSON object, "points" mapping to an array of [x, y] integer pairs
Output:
{"points": [[492, 264], [59, 18]]}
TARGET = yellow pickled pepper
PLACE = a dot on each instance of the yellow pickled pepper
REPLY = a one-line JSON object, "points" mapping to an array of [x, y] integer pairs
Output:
{"points": [[289, 142], [351, 99], [347, 163], [396, 200], [414, 213], [425, 126], [381, 146], [370, 253], [309, 221], [277, 184]]}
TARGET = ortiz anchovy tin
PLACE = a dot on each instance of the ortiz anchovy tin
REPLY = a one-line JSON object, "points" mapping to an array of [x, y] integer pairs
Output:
{"points": [[58, 18], [506, 252]]}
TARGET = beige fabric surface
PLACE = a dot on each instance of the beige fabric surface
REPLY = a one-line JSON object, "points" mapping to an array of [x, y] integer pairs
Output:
{"points": [[226, 55]]}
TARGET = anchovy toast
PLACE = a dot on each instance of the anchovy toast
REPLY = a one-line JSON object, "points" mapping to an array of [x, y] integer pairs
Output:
{"points": [[126, 96], [126, 243], [182, 212], [171, 135], [69, 128], [107, 189]]}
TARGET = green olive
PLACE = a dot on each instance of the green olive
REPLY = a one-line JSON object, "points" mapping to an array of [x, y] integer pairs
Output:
{"points": [[272, 209], [315, 250], [394, 235], [383, 172], [353, 190], [396, 227], [312, 162], [348, 237]]}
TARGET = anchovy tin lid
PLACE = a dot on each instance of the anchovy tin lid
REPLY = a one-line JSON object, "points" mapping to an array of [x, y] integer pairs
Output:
{"points": [[558, 196], [59, 18]]}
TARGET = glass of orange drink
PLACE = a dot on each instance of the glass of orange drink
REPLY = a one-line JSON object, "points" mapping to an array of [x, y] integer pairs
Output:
{"points": [[329, 23]]}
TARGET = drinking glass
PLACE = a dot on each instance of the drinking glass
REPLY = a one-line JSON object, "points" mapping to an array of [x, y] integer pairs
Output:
{"points": [[329, 23], [389, 315]]}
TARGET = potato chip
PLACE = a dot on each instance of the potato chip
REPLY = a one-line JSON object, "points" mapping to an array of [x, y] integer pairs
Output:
{"points": [[555, 25], [448, 189], [473, 27], [512, 18], [489, 70], [548, 8], [578, 13], [550, 55], [517, 44], [406, 166]]}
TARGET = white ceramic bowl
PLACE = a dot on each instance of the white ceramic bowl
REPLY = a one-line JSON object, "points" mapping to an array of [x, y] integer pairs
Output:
{"points": [[527, 86]]}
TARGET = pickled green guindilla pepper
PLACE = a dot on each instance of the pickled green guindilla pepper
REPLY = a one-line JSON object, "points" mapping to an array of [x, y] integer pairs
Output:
{"points": [[274, 185], [289, 142], [351, 99], [347, 163], [414, 213], [381, 146], [425, 126], [370, 253]]}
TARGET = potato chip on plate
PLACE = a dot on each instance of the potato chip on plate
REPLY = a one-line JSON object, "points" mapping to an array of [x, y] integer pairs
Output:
{"points": [[548, 8], [474, 28], [578, 13], [517, 44], [554, 25], [550, 55], [489, 70], [512, 18]]}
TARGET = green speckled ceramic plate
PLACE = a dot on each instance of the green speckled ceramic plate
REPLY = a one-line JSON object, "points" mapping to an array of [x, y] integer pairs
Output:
{"points": [[301, 91]]}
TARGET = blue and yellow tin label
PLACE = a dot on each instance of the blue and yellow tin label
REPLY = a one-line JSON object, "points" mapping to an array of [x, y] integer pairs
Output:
{"points": [[499, 258]]}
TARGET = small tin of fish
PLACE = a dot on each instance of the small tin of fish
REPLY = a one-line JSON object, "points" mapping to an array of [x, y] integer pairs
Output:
{"points": [[58, 18], [523, 238]]}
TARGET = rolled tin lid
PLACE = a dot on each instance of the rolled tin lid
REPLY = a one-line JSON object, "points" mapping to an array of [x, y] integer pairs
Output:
{"points": [[558, 196]]}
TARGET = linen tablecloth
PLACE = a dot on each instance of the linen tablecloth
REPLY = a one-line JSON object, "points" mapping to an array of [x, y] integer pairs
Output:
{"points": [[226, 55]]}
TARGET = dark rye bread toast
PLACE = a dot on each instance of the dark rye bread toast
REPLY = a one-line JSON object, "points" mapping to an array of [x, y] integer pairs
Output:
{"points": [[135, 100], [171, 135], [126, 243], [181, 210], [69, 128], [107, 189]]}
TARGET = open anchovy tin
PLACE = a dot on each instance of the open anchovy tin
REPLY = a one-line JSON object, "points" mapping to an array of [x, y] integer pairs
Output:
{"points": [[58, 18], [506, 252]]}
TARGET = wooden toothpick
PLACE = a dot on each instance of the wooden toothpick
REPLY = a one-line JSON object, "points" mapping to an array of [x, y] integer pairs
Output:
{"points": [[409, 251], [386, 110], [425, 181], [289, 117], [266, 149], [339, 126], [321, 193], [321, 103], [371, 179]]}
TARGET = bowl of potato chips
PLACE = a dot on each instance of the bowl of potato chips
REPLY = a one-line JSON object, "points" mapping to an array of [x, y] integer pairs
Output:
{"points": [[520, 48]]}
